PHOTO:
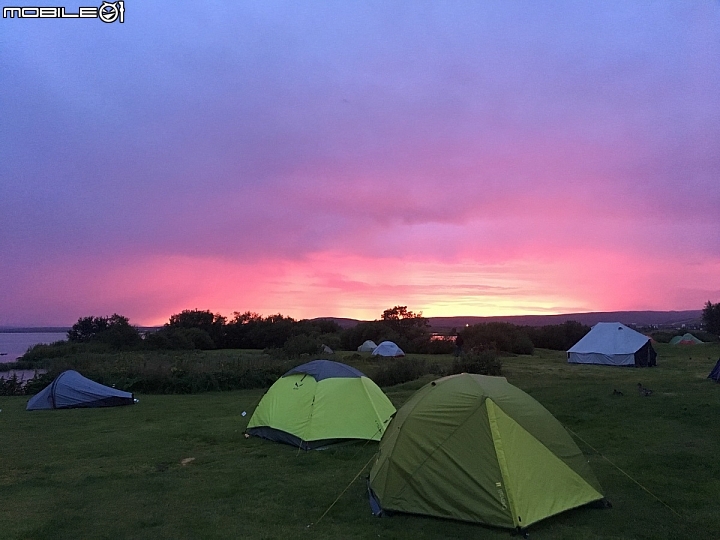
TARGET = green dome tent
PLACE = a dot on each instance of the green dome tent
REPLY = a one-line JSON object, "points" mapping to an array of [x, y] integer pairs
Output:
{"points": [[476, 448], [320, 403]]}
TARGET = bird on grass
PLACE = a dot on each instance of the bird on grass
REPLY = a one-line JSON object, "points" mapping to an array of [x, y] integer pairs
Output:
{"points": [[644, 391], [617, 392]]}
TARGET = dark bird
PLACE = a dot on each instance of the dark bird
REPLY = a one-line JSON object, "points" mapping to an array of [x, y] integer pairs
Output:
{"points": [[617, 392], [644, 391]]}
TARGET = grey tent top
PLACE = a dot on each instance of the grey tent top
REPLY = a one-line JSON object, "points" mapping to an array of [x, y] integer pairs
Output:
{"points": [[71, 390], [326, 369]]}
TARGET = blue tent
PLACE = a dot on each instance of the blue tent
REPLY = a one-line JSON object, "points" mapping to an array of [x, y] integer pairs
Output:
{"points": [[715, 373], [71, 390]]}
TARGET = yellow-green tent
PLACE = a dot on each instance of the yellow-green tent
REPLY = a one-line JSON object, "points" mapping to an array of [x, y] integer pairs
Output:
{"points": [[320, 403], [476, 448]]}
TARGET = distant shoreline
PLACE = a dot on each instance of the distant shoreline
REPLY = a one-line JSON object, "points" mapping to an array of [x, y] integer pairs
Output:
{"points": [[34, 330]]}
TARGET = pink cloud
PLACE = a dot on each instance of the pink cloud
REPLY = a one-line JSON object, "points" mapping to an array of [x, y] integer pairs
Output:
{"points": [[338, 284]]}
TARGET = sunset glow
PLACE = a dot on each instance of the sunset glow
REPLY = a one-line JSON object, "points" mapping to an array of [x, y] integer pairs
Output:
{"points": [[317, 159]]}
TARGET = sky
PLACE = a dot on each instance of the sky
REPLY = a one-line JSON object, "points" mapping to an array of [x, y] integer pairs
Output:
{"points": [[340, 158]]}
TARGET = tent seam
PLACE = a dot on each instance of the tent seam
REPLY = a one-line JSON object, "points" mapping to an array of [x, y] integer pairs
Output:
{"points": [[500, 454]]}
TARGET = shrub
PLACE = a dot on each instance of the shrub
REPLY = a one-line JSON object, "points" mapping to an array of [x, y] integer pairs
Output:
{"points": [[664, 336], [441, 346], [169, 373], [301, 344], [114, 331], [173, 338], [12, 386], [705, 336], [558, 337], [15, 386], [499, 337], [398, 371], [482, 362], [37, 354], [212, 324], [39, 382]]}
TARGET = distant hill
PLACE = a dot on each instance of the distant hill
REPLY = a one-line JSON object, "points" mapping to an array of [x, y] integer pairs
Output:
{"points": [[661, 319], [342, 322]]}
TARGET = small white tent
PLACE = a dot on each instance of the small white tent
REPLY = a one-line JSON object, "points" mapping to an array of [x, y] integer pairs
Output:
{"points": [[613, 344], [368, 346], [388, 348]]}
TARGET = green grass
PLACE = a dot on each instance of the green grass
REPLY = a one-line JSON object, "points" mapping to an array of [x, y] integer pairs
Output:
{"points": [[118, 473]]}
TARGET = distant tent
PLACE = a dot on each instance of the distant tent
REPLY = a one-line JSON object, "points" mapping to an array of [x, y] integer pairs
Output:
{"points": [[327, 350], [476, 448], [71, 390], [687, 339], [613, 344], [368, 346], [388, 348], [715, 373], [320, 403]]}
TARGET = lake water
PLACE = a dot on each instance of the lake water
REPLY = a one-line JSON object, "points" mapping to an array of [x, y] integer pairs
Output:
{"points": [[15, 344]]}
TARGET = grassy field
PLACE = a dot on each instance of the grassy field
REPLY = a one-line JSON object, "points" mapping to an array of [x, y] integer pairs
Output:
{"points": [[178, 466]]}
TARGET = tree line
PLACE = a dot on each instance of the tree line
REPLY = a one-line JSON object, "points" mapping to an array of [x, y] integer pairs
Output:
{"points": [[205, 330], [711, 317], [202, 329]]}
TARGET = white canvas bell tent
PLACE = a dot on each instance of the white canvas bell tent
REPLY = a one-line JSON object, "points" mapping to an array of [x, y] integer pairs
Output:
{"points": [[613, 344]]}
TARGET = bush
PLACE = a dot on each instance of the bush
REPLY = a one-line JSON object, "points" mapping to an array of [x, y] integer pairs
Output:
{"points": [[558, 337], [12, 386], [498, 337], [707, 337], [173, 338], [664, 336], [212, 324], [480, 362], [169, 373], [401, 370], [114, 331], [37, 354], [441, 346], [38, 383], [15, 386], [301, 344]]}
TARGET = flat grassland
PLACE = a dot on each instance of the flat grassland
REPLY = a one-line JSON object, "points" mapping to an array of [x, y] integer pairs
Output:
{"points": [[178, 466]]}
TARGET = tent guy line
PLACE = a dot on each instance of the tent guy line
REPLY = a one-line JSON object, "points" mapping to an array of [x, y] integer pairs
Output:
{"points": [[623, 472]]}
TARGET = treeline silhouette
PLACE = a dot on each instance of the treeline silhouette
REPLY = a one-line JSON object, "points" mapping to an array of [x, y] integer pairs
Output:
{"points": [[203, 330]]}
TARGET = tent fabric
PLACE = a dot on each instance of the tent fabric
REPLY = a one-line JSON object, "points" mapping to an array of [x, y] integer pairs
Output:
{"points": [[320, 403], [476, 448], [388, 348], [325, 369], [71, 390], [613, 344], [715, 373], [686, 339], [367, 346]]}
